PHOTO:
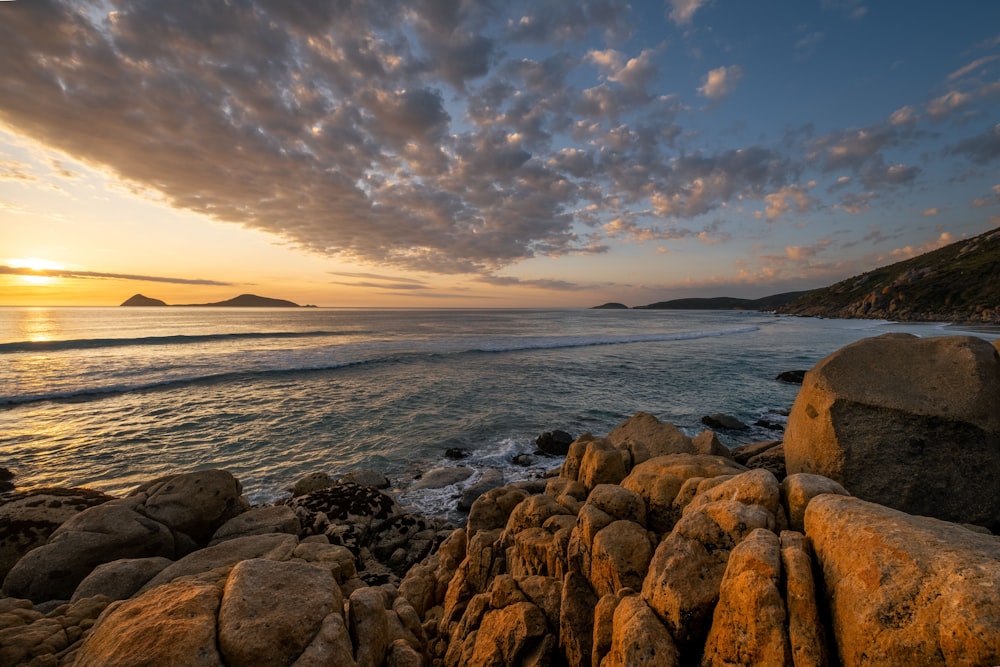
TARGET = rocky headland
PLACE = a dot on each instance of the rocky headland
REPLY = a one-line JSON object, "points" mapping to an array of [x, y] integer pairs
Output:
{"points": [[862, 539]]}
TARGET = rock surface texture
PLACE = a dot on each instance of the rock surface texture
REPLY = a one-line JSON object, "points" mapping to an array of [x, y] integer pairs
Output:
{"points": [[674, 557], [912, 423]]}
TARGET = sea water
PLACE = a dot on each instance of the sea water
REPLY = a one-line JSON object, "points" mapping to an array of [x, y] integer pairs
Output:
{"points": [[109, 397]]}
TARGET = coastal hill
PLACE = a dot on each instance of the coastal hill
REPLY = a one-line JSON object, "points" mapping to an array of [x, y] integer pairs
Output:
{"points": [[956, 283], [241, 301], [725, 303]]}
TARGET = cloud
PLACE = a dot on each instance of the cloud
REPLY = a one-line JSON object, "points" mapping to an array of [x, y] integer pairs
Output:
{"points": [[719, 82], [540, 283], [779, 203], [980, 149], [682, 11], [903, 116], [971, 67], [799, 253], [989, 200], [906, 252], [12, 170], [930, 212], [72, 273], [947, 104]]}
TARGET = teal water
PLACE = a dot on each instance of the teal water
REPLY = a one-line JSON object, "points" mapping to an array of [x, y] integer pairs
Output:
{"points": [[106, 398]]}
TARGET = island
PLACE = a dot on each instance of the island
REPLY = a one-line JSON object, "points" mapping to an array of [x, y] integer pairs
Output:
{"points": [[241, 301]]}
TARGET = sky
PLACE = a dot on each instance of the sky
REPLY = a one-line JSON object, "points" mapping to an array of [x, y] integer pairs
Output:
{"points": [[460, 153]]}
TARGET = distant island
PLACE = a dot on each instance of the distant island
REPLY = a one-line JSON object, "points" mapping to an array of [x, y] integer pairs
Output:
{"points": [[241, 301], [957, 283]]}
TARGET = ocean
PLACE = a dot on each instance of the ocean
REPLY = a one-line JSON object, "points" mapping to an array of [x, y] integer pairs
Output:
{"points": [[109, 397]]}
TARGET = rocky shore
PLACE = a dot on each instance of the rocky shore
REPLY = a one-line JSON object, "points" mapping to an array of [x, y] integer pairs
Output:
{"points": [[862, 539]]}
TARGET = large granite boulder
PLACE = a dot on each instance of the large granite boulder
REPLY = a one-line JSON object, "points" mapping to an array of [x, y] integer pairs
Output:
{"points": [[906, 422], [905, 589], [97, 535], [183, 614], [28, 518], [644, 436], [195, 503]]}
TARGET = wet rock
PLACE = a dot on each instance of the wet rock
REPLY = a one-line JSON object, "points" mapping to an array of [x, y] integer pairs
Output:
{"points": [[523, 460], [456, 453], [490, 479], [728, 422], [439, 478], [791, 377], [554, 443]]}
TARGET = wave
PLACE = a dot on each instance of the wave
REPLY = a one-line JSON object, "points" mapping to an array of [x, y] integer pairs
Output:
{"points": [[372, 352], [179, 339]]}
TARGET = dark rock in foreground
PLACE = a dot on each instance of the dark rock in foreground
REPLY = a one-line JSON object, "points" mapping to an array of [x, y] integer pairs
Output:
{"points": [[554, 443]]}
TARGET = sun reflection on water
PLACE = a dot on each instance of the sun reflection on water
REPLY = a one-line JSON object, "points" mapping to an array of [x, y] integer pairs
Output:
{"points": [[37, 325]]}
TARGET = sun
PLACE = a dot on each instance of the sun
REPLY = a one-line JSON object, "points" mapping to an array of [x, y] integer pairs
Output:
{"points": [[35, 264]]}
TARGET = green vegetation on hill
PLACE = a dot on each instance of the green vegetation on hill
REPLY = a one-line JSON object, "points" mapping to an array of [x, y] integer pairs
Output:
{"points": [[725, 303], [957, 283]]}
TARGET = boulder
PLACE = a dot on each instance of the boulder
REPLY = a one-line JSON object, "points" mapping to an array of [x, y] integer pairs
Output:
{"points": [[330, 646], [727, 422], [707, 442], [371, 478], [554, 443], [259, 521], [184, 616], [314, 481], [659, 480], [619, 558], [490, 479], [618, 502], [602, 463], [223, 556], [28, 518], [798, 489], [120, 579], [438, 478], [513, 635], [911, 423], [271, 611], [904, 589], [30, 637], [368, 626], [744, 453], [791, 377], [772, 460], [195, 503], [749, 626], [638, 638], [806, 629], [101, 534], [644, 436], [576, 619]]}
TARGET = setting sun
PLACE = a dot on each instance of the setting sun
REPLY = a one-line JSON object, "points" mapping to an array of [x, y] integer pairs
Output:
{"points": [[35, 264]]}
